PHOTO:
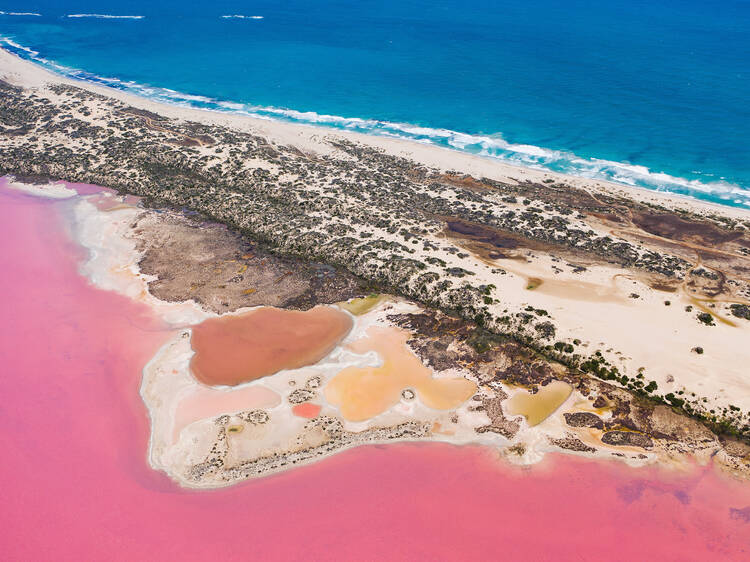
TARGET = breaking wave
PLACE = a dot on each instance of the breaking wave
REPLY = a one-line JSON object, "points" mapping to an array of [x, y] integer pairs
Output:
{"points": [[241, 17], [19, 14], [104, 16], [491, 146]]}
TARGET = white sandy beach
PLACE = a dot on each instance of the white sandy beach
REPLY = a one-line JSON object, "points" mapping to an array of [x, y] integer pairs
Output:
{"points": [[310, 138]]}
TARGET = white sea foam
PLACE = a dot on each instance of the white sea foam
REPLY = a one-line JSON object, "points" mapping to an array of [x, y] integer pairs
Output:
{"points": [[20, 14], [241, 17], [490, 146], [10, 43], [104, 16]]}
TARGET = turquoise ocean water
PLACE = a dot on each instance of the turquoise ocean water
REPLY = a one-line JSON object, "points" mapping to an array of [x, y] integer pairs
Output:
{"points": [[652, 94]]}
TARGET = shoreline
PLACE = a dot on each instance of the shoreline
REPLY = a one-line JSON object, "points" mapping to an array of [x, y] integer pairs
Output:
{"points": [[313, 138], [575, 241], [588, 283], [160, 456], [166, 383]]}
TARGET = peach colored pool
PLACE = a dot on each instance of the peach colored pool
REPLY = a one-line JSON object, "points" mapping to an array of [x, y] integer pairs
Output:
{"points": [[76, 486], [232, 350], [362, 393]]}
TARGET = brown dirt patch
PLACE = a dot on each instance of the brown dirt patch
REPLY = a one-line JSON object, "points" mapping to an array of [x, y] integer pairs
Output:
{"points": [[675, 228], [222, 271]]}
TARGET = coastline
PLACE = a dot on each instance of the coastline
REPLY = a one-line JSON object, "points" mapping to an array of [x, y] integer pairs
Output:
{"points": [[239, 331], [590, 284], [312, 138], [183, 412]]}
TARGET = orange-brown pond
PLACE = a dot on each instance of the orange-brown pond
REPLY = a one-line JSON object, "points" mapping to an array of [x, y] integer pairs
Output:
{"points": [[236, 349], [362, 393]]}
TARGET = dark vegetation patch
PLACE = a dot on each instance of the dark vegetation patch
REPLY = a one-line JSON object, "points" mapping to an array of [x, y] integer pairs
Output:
{"points": [[740, 310], [706, 318], [572, 444], [627, 438], [584, 419], [144, 113]]}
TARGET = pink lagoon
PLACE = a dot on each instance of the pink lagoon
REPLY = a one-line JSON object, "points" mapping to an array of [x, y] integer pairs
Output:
{"points": [[76, 484]]}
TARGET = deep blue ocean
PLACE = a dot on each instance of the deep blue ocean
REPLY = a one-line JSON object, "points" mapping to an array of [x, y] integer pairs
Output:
{"points": [[644, 92]]}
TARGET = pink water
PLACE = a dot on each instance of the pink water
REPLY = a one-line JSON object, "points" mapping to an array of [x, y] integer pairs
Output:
{"points": [[74, 483]]}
